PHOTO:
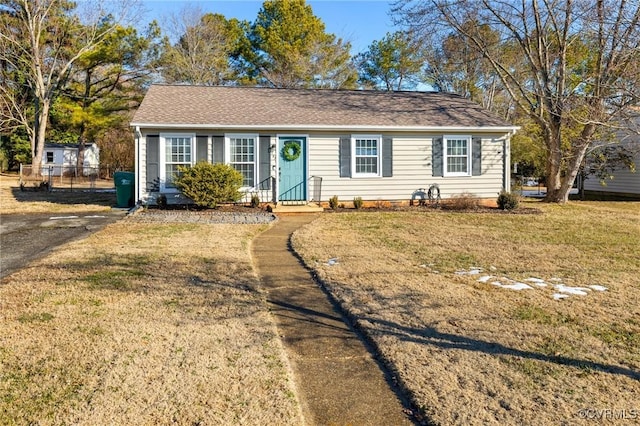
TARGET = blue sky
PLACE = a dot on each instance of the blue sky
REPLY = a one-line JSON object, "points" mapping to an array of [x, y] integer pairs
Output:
{"points": [[358, 21]]}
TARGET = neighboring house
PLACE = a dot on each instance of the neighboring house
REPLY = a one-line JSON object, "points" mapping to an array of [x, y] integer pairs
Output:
{"points": [[287, 142], [62, 159], [624, 183]]}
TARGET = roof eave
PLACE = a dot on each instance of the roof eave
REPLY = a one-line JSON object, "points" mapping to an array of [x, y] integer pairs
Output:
{"points": [[314, 127]]}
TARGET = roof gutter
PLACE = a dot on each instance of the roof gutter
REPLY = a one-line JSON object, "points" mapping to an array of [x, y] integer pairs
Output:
{"points": [[371, 128]]}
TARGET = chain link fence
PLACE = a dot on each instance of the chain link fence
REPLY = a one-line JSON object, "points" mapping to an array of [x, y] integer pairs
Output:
{"points": [[64, 177]]}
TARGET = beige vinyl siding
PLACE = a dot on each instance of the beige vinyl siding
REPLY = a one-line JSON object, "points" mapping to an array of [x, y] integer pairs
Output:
{"points": [[624, 181], [143, 151], [412, 170], [489, 183]]}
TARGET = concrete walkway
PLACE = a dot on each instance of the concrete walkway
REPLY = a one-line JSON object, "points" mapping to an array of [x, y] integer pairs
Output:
{"points": [[337, 379]]}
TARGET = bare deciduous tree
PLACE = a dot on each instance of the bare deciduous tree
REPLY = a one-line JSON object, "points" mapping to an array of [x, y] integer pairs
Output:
{"points": [[205, 47], [578, 70], [40, 40]]}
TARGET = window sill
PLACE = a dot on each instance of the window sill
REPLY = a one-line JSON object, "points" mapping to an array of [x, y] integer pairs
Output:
{"points": [[363, 176], [456, 175]]}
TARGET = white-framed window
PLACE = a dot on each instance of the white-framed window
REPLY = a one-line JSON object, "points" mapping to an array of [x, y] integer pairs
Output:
{"points": [[457, 155], [49, 157], [176, 150], [366, 158], [243, 156]]}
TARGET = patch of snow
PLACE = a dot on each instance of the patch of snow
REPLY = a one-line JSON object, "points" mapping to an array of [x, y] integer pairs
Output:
{"points": [[580, 291], [62, 217], [95, 217], [537, 282], [471, 271], [563, 291], [598, 287], [514, 286]]}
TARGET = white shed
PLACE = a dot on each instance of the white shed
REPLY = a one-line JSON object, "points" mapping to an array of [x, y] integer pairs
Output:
{"points": [[62, 159]]}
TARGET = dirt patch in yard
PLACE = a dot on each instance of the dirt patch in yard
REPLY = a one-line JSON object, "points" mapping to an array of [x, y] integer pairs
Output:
{"points": [[469, 351], [143, 324]]}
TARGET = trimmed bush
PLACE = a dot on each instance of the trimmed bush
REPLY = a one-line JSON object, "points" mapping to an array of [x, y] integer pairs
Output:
{"points": [[463, 201], [209, 184], [161, 200], [508, 200], [255, 200], [357, 202], [333, 202]]}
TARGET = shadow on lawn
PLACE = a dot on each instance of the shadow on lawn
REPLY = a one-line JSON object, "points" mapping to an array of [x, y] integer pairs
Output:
{"points": [[430, 336]]}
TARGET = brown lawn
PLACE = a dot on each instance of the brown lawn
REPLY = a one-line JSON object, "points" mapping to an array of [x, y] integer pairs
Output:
{"points": [[165, 323], [471, 352], [15, 200], [143, 324]]}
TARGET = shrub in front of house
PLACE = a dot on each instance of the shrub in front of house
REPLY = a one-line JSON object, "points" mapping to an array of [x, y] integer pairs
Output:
{"points": [[255, 200], [209, 184], [463, 201], [333, 202], [357, 202], [508, 200]]}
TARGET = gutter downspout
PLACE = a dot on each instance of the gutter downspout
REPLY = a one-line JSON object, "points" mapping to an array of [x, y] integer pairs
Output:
{"points": [[138, 136], [506, 158]]}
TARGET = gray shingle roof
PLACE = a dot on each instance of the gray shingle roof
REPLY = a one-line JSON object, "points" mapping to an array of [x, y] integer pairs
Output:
{"points": [[254, 107]]}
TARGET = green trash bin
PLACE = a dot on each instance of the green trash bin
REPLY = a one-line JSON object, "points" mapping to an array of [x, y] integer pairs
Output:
{"points": [[125, 184]]}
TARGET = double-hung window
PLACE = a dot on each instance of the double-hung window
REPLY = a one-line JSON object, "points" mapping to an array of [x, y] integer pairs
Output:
{"points": [[242, 156], [366, 158], [178, 151], [457, 158]]}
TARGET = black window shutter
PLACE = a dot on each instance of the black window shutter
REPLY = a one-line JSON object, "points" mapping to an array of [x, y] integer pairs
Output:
{"points": [[476, 152], [218, 149], [264, 168], [345, 157], [387, 157], [202, 148], [437, 164], [153, 162]]}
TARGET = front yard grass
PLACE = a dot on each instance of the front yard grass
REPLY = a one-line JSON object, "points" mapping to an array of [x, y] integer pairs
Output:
{"points": [[420, 286], [143, 324], [15, 200]]}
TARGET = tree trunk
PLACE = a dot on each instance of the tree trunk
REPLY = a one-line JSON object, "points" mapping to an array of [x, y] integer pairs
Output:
{"points": [[38, 150], [553, 175], [564, 182], [553, 183]]}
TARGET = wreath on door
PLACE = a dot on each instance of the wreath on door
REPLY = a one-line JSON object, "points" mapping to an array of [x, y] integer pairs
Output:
{"points": [[291, 150]]}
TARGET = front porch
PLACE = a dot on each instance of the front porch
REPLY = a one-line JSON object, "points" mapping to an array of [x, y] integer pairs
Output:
{"points": [[300, 208], [304, 196]]}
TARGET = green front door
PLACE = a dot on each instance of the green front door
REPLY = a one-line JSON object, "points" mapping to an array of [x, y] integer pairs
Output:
{"points": [[293, 171]]}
